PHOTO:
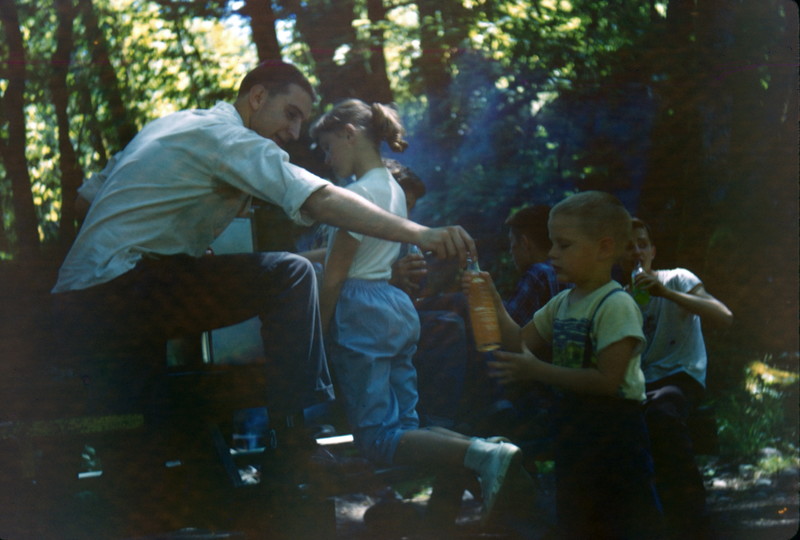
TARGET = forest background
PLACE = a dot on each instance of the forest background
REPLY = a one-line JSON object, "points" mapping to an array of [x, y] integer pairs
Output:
{"points": [[687, 110]]}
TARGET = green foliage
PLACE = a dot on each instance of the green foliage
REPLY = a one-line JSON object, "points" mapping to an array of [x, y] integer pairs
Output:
{"points": [[761, 413], [166, 55], [168, 62], [516, 132]]}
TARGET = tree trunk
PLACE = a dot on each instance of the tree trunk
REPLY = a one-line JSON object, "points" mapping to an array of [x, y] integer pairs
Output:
{"points": [[722, 186], [71, 175], [674, 200], [379, 88], [123, 127], [443, 27], [16, 165], [262, 25], [433, 63], [326, 26], [756, 96]]}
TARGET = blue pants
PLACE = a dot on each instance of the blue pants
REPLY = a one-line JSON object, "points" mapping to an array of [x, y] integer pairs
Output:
{"points": [[179, 295], [373, 337], [670, 402], [604, 471]]}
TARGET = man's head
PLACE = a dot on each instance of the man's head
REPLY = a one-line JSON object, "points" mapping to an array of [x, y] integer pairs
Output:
{"points": [[529, 242], [640, 249], [274, 99], [589, 231], [412, 185]]}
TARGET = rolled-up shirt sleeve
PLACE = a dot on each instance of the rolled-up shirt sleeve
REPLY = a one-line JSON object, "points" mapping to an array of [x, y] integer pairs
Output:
{"points": [[259, 167]]}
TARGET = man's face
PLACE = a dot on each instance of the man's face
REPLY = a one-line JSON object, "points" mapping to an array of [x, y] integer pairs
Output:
{"points": [[280, 117], [639, 250]]}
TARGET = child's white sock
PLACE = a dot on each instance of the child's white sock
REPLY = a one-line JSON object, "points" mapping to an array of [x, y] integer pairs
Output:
{"points": [[477, 453], [491, 461]]}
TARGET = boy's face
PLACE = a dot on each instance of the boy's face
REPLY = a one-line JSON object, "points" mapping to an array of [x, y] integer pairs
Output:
{"points": [[574, 254], [639, 250], [518, 247], [524, 250]]}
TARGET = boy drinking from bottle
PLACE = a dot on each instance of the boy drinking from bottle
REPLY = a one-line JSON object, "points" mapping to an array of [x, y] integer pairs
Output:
{"points": [[603, 466], [674, 364]]}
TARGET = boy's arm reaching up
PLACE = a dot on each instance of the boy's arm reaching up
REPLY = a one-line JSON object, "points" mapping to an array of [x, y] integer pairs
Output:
{"points": [[697, 301]]}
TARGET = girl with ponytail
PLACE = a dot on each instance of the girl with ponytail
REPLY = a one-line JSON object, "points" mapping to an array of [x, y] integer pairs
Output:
{"points": [[371, 327]]}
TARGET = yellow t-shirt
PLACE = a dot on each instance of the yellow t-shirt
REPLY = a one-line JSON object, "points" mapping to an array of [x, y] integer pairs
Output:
{"points": [[564, 324]]}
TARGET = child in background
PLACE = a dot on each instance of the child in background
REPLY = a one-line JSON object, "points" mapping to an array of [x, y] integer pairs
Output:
{"points": [[520, 413], [674, 364], [372, 327], [409, 269], [603, 467], [529, 245]]}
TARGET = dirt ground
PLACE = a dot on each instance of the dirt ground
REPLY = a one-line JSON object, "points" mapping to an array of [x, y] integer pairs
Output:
{"points": [[742, 506]]}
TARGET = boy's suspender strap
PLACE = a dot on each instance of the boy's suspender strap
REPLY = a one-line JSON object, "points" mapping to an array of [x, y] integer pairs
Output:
{"points": [[588, 346]]}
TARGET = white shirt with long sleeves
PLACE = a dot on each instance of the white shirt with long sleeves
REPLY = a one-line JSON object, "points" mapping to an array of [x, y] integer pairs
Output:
{"points": [[174, 188]]}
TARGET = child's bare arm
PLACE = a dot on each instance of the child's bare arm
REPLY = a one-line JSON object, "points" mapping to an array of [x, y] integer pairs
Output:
{"points": [[336, 269], [697, 301], [510, 367], [604, 380]]}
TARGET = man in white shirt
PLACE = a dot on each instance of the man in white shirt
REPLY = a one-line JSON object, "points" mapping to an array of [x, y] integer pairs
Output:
{"points": [[136, 272]]}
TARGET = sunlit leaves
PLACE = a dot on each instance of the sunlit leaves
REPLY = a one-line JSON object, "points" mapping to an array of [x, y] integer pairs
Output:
{"points": [[163, 62]]}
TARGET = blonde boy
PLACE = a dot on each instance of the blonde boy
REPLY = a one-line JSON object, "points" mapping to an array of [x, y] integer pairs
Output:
{"points": [[603, 466]]}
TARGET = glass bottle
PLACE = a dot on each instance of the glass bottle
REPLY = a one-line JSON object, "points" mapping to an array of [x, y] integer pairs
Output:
{"points": [[642, 296], [482, 312], [422, 280]]}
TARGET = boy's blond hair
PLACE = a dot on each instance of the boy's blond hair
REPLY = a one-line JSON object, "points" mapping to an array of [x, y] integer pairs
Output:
{"points": [[600, 215]]}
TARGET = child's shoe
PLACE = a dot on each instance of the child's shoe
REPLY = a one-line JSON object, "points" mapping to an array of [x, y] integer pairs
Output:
{"points": [[492, 462]]}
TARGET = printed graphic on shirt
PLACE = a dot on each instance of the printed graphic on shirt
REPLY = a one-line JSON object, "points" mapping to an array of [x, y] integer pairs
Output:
{"points": [[569, 338]]}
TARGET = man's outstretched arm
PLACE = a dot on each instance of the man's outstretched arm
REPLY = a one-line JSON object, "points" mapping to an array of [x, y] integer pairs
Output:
{"points": [[342, 208]]}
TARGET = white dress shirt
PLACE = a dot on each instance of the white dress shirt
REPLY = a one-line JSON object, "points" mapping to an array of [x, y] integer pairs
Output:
{"points": [[174, 188]]}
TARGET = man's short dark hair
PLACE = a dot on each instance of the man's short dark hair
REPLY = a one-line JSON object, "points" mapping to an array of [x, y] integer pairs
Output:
{"points": [[276, 76], [531, 221], [637, 223]]}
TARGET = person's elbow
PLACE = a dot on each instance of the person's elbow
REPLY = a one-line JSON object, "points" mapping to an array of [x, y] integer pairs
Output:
{"points": [[722, 316], [725, 318], [315, 206]]}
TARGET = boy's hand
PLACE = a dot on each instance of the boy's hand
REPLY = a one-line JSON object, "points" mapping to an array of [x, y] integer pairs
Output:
{"points": [[508, 367], [466, 279], [650, 283], [408, 271]]}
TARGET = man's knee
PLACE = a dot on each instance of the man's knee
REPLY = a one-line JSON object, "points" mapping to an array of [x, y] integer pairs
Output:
{"points": [[297, 269], [284, 271]]}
